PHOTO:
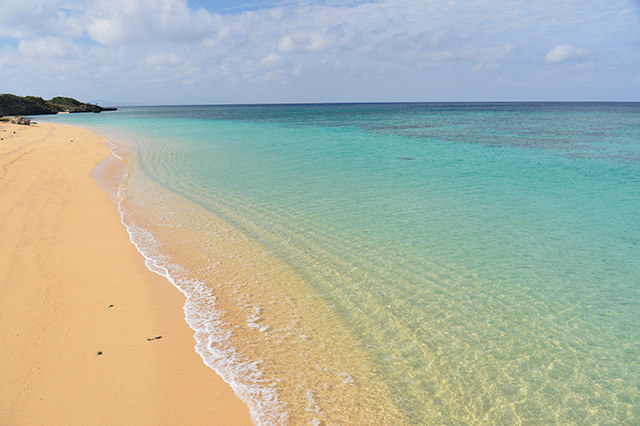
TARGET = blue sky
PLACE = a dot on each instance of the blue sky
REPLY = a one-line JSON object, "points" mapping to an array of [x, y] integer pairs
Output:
{"points": [[252, 51]]}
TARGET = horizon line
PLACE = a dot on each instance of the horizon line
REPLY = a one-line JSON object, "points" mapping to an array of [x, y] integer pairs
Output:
{"points": [[132, 105]]}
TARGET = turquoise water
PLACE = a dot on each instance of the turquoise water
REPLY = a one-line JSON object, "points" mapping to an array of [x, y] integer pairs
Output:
{"points": [[480, 261]]}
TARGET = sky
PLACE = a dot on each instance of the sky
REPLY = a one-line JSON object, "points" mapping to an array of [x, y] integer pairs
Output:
{"points": [[170, 52]]}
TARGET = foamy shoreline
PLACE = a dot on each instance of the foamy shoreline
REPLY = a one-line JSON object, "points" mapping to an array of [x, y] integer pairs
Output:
{"points": [[89, 334]]}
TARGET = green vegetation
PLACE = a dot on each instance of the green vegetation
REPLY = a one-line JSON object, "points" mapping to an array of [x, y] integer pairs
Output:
{"points": [[32, 105]]}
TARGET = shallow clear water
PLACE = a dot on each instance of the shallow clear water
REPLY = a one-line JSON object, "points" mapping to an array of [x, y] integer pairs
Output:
{"points": [[439, 264]]}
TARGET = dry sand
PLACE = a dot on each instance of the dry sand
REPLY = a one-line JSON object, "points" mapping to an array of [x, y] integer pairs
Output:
{"points": [[72, 286]]}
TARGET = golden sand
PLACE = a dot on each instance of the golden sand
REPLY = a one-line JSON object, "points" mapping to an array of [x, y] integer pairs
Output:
{"points": [[79, 311]]}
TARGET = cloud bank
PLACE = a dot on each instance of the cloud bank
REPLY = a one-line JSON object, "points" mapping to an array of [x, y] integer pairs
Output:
{"points": [[167, 51], [565, 53]]}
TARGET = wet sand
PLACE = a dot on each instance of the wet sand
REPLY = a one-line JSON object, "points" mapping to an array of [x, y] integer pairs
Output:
{"points": [[89, 335]]}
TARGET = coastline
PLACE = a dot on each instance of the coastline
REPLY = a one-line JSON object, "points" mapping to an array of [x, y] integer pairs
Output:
{"points": [[80, 313], [273, 225]]}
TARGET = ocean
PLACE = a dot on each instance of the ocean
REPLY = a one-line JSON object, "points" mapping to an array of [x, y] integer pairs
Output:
{"points": [[390, 264]]}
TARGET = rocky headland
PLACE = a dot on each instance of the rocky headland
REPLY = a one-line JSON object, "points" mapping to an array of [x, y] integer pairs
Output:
{"points": [[12, 105]]}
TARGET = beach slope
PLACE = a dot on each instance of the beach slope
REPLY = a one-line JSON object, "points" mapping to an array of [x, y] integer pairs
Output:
{"points": [[89, 335]]}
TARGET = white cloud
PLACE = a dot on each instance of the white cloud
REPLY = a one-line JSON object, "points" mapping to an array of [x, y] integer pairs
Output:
{"points": [[160, 59], [312, 39], [49, 47], [565, 53], [30, 18], [146, 22], [271, 60], [311, 44]]}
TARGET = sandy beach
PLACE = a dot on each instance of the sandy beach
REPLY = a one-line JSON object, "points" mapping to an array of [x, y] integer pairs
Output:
{"points": [[89, 335]]}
